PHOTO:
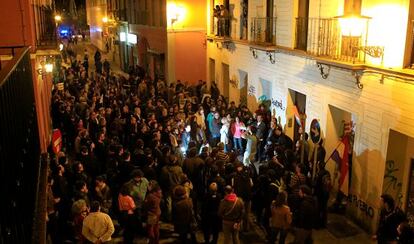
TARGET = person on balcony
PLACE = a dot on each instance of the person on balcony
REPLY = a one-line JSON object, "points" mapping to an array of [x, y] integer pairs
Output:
{"points": [[224, 21]]}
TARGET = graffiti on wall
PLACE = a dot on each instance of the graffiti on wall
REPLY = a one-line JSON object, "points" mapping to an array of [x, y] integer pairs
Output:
{"points": [[361, 205], [392, 185], [278, 104], [251, 91]]}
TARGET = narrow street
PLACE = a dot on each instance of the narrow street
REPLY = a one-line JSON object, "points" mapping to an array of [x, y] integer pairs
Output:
{"points": [[340, 230]]}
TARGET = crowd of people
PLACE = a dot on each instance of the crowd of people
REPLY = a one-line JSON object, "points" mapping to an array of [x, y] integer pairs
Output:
{"points": [[140, 151]]}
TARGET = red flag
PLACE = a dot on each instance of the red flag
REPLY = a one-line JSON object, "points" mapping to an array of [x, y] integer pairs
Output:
{"points": [[341, 157]]}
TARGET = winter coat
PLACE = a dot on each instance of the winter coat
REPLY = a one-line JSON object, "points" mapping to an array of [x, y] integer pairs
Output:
{"points": [[229, 213]]}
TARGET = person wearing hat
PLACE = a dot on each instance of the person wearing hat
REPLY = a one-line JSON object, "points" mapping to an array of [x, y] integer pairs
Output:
{"points": [[231, 210], [183, 215]]}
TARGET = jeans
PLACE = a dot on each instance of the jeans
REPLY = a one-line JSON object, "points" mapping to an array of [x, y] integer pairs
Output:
{"points": [[238, 144]]}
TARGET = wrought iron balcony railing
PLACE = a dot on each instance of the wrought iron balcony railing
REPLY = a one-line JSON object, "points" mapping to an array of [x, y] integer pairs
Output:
{"points": [[263, 30], [221, 26], [322, 37], [142, 17], [20, 161]]}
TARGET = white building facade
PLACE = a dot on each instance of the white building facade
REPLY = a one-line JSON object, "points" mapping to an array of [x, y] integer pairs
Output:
{"points": [[329, 82]]}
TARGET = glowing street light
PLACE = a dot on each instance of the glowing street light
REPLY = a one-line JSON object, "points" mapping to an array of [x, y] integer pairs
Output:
{"points": [[58, 18], [352, 23], [49, 68], [105, 19]]}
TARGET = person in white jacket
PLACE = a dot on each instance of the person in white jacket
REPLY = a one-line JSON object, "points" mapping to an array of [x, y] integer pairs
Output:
{"points": [[224, 133]]}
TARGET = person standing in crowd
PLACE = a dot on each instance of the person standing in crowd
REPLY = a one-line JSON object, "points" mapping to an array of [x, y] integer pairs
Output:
{"points": [[127, 220], [138, 187], [237, 129], [224, 133], [242, 185], [97, 226], [261, 136], [211, 221], [390, 218], [183, 215], [251, 145], [231, 210], [153, 209], [307, 214], [215, 127], [281, 218]]}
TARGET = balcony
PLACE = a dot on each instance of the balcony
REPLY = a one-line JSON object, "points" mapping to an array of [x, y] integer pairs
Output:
{"points": [[221, 27], [322, 37], [47, 41], [142, 17], [263, 31], [23, 174]]}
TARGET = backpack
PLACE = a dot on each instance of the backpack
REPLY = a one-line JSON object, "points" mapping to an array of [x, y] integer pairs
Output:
{"points": [[327, 182]]}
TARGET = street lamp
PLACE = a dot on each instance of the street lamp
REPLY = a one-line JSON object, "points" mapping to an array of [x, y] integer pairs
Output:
{"points": [[105, 20], [58, 18], [354, 28], [49, 68]]}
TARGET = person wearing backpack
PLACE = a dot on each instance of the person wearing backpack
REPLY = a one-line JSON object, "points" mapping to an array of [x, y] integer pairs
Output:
{"points": [[323, 187], [231, 210]]}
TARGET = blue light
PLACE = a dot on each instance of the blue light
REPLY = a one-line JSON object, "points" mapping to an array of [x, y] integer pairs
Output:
{"points": [[64, 32]]}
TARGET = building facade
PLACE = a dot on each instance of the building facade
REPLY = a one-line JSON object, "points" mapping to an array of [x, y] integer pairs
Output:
{"points": [[162, 36], [315, 57], [32, 24]]}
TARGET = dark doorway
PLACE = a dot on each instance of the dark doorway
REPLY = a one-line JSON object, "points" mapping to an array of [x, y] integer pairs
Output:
{"points": [[269, 20], [299, 100], [302, 25]]}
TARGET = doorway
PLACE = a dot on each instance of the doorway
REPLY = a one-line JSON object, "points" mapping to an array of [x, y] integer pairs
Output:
{"points": [[226, 80], [243, 77], [339, 122], [302, 25], [399, 175], [212, 71], [298, 100], [270, 24]]}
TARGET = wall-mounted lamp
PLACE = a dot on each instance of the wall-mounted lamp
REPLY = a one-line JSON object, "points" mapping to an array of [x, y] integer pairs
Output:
{"points": [[175, 13], [105, 19], [49, 68], [58, 18], [352, 23]]}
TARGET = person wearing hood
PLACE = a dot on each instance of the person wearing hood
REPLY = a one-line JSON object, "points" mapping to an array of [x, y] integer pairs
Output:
{"points": [[231, 210]]}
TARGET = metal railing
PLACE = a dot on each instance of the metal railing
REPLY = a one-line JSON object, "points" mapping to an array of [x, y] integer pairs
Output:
{"points": [[263, 30], [221, 26], [19, 151], [48, 40], [322, 37], [142, 17]]}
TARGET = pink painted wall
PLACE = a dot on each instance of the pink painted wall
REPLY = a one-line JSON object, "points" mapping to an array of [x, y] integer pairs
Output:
{"points": [[190, 56], [11, 26]]}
